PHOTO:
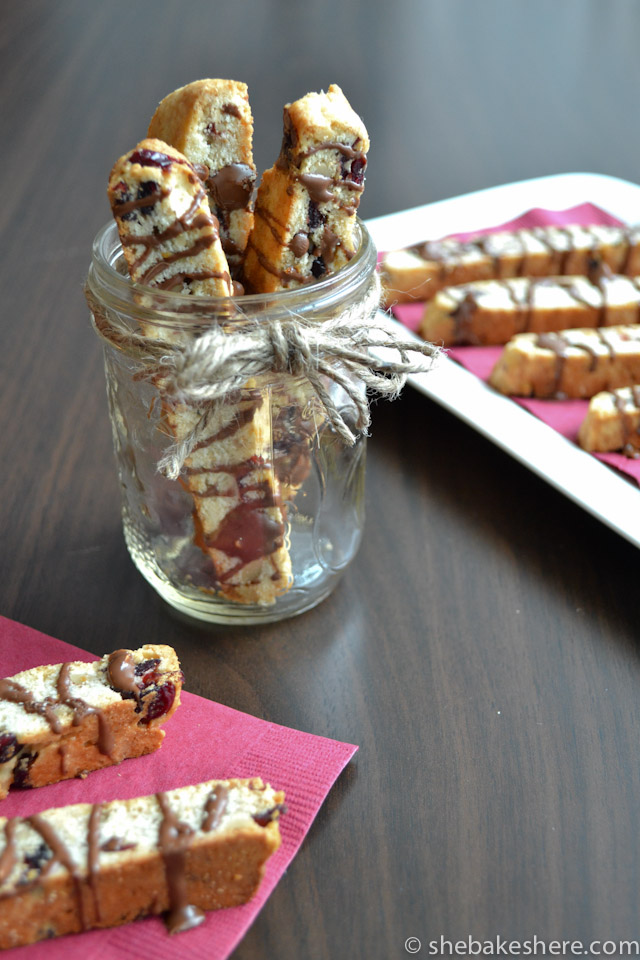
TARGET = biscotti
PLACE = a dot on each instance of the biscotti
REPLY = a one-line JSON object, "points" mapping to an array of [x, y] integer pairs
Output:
{"points": [[179, 853], [169, 236], [64, 720], [420, 271], [210, 122], [492, 311], [239, 520], [239, 514], [613, 422], [571, 363], [305, 215]]}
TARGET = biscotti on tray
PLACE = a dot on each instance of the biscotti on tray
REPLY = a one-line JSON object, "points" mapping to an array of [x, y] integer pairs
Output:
{"points": [[492, 311], [65, 720], [201, 847], [420, 271], [613, 422], [570, 363]]}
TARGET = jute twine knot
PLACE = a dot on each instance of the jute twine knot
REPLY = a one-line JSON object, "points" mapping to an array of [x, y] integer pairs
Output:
{"points": [[363, 356]]}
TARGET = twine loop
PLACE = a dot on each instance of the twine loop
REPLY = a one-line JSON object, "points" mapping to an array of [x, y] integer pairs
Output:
{"points": [[365, 357]]}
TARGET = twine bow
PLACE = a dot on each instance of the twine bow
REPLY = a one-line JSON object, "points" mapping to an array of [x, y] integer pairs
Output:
{"points": [[349, 350]]}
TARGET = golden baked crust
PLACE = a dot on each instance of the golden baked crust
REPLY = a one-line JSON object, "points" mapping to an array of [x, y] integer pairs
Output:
{"points": [[75, 868], [492, 311], [613, 422], [420, 271], [210, 122], [306, 203], [570, 363], [168, 233], [64, 720]]}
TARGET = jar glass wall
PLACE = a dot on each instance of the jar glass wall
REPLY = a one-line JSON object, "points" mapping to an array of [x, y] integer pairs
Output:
{"points": [[267, 508]]}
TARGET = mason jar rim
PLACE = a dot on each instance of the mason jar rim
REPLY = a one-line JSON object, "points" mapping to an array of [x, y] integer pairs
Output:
{"points": [[116, 290]]}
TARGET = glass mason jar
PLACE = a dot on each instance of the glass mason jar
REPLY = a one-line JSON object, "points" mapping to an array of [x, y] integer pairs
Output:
{"points": [[262, 508]]}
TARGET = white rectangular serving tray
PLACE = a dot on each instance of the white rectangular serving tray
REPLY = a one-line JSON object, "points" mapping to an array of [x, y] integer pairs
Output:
{"points": [[598, 488]]}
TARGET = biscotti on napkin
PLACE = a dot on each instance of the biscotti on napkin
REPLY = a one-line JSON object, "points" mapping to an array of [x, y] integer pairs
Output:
{"points": [[64, 720], [420, 271], [179, 853]]}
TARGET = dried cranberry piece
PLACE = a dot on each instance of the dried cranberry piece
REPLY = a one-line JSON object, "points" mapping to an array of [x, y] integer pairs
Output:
{"points": [[356, 174], [39, 857], [262, 819], [146, 665], [318, 267], [151, 158], [315, 217], [21, 770], [9, 746], [123, 197], [147, 189], [147, 672], [161, 702]]}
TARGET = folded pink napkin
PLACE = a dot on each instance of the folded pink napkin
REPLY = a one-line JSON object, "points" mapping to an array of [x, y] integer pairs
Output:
{"points": [[204, 741], [564, 416]]}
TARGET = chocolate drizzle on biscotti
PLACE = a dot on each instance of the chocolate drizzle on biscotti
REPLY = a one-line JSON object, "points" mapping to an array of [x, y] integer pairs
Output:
{"points": [[627, 408], [306, 204], [82, 709], [9, 856], [466, 310], [321, 190], [61, 855], [183, 224], [153, 689], [556, 240], [537, 251], [13, 692], [55, 851], [197, 218], [173, 842], [215, 807], [248, 531], [58, 866], [560, 345]]}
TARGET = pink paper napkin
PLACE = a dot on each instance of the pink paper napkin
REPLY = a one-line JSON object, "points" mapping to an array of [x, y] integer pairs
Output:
{"points": [[564, 416], [204, 740]]}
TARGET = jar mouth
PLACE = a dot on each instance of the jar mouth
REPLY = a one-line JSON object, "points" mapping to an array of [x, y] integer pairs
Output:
{"points": [[109, 283]]}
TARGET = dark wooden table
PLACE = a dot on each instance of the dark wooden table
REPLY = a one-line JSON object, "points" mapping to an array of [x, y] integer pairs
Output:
{"points": [[483, 648]]}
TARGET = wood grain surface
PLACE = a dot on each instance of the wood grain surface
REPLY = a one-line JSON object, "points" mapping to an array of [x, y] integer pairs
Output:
{"points": [[483, 648]]}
